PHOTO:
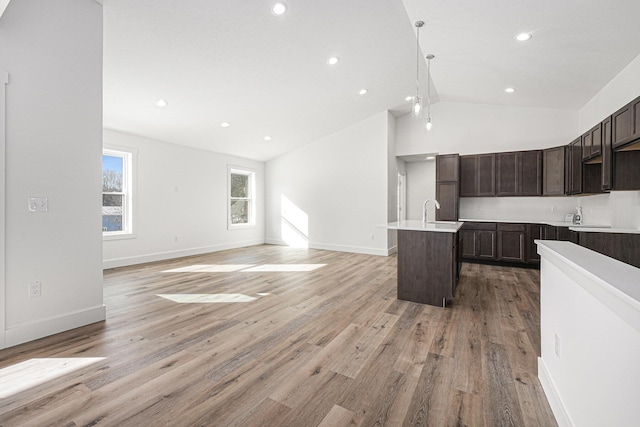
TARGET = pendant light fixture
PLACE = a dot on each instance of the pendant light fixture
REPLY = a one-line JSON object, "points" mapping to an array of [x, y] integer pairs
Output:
{"points": [[416, 104], [429, 124]]}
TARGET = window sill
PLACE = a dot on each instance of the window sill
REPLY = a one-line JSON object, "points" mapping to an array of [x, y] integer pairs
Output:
{"points": [[119, 236], [240, 226]]}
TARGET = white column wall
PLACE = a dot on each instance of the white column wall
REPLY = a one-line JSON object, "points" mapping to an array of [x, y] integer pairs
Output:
{"points": [[53, 53]]}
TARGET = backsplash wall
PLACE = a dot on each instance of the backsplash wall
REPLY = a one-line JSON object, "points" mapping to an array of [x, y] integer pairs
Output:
{"points": [[618, 209]]}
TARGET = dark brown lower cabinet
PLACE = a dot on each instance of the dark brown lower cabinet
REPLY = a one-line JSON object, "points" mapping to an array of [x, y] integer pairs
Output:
{"points": [[486, 243], [511, 246], [427, 266], [478, 240], [623, 247]]}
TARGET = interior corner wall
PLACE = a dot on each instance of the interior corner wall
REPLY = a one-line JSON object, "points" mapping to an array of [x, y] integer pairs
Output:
{"points": [[53, 54], [180, 202], [467, 128], [623, 88], [332, 193]]}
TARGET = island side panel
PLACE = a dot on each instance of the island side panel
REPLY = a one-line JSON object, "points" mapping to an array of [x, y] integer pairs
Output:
{"points": [[425, 273]]}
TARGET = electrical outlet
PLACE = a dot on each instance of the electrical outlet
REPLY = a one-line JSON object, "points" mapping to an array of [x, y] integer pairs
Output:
{"points": [[557, 346], [35, 289], [554, 209], [175, 238], [372, 237]]}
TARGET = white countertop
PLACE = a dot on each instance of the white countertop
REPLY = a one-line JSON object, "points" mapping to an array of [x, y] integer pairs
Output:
{"points": [[437, 226], [591, 229], [613, 282], [537, 221]]}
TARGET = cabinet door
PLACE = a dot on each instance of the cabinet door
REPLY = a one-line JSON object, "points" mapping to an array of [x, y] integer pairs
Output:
{"points": [[468, 244], [607, 155], [511, 246], [468, 176], [486, 244], [622, 126], [553, 171], [486, 174], [574, 162], [530, 173], [534, 232], [596, 140], [586, 145], [506, 174], [447, 196], [447, 167]]}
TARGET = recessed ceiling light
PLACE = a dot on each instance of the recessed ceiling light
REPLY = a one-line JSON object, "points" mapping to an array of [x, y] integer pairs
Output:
{"points": [[279, 9], [161, 103], [363, 91], [267, 138], [225, 124], [509, 90], [409, 98], [333, 60], [523, 37]]}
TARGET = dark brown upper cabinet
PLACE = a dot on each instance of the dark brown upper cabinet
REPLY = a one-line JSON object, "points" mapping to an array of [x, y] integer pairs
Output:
{"points": [[592, 143], [507, 174], [468, 176], [573, 167], [626, 124], [477, 175], [607, 155], [447, 168], [553, 171], [519, 173], [530, 173], [447, 187]]}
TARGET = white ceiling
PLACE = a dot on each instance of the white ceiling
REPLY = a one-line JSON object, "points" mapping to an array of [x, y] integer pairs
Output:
{"points": [[234, 61]]}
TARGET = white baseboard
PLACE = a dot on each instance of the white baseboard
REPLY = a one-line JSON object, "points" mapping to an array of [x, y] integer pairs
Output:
{"points": [[161, 256], [555, 401], [45, 327], [339, 248]]}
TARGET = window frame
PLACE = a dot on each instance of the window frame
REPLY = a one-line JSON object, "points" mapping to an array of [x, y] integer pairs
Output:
{"points": [[239, 170], [128, 191]]}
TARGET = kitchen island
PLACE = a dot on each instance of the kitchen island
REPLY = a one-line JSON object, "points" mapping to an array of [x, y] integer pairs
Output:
{"points": [[427, 260]]}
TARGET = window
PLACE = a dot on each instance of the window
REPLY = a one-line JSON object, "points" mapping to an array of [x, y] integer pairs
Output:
{"points": [[241, 206], [116, 193]]}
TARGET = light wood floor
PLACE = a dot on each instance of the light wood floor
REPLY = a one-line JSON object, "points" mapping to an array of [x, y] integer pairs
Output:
{"points": [[331, 346]]}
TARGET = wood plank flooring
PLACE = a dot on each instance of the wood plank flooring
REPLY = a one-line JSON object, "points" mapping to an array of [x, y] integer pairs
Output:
{"points": [[329, 345]]}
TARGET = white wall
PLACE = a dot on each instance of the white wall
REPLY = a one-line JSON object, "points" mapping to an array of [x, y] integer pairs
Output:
{"points": [[521, 208], [331, 194], [481, 128], [592, 380], [421, 178], [622, 89], [180, 191], [53, 54], [392, 181]]}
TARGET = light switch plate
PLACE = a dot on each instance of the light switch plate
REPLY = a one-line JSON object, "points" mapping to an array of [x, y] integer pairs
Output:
{"points": [[38, 204]]}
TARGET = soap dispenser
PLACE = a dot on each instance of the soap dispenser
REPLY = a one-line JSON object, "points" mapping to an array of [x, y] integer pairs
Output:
{"points": [[577, 218]]}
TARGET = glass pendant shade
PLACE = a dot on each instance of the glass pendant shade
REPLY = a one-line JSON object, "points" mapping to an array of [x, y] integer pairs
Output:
{"points": [[429, 124], [416, 107]]}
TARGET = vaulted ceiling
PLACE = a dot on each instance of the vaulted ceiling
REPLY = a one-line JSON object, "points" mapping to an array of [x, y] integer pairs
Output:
{"points": [[267, 75]]}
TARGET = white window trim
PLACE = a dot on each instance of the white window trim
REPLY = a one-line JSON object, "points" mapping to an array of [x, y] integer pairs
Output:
{"points": [[129, 178], [252, 196]]}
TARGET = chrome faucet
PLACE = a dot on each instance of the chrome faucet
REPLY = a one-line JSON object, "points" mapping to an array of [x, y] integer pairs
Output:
{"points": [[424, 208]]}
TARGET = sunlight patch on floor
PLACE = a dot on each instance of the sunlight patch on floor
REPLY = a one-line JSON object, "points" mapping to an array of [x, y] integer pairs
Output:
{"points": [[209, 268], [33, 372], [207, 298], [284, 267]]}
